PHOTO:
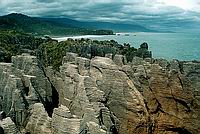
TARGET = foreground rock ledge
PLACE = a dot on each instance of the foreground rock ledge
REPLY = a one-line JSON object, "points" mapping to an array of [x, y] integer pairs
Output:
{"points": [[100, 96]]}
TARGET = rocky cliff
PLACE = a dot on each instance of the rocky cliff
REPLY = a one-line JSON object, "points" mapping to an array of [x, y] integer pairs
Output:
{"points": [[102, 95]]}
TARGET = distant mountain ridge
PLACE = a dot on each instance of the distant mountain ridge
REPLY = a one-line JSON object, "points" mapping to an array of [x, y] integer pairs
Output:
{"points": [[63, 26], [36, 26]]}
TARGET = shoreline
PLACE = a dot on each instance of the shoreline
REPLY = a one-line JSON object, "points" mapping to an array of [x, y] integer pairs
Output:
{"points": [[63, 38], [76, 37]]}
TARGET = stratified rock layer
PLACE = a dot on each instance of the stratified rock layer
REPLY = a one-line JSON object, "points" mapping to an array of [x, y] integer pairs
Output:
{"points": [[8, 126], [39, 121], [22, 84], [170, 95], [101, 96]]}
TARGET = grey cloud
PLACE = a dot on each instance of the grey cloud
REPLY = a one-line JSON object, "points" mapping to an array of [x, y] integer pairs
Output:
{"points": [[150, 14]]}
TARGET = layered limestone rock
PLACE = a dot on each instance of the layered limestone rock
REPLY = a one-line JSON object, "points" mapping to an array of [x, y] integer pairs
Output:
{"points": [[39, 121], [119, 60], [64, 122], [22, 84], [122, 98], [7, 126], [102, 95], [169, 93], [192, 71], [145, 96]]}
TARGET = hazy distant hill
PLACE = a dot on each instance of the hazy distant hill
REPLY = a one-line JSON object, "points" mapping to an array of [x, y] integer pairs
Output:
{"points": [[64, 26], [36, 26], [117, 27]]}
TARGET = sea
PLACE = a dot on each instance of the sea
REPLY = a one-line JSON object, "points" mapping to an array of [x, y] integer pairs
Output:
{"points": [[181, 46]]}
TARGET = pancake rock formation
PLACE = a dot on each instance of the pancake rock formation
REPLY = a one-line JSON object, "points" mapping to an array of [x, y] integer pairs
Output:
{"points": [[102, 95]]}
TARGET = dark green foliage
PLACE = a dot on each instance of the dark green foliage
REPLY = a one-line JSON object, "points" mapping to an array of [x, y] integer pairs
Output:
{"points": [[13, 43], [51, 53], [143, 51], [130, 53], [101, 32]]}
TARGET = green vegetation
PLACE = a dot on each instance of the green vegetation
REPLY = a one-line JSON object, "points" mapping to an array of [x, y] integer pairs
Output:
{"points": [[13, 43], [38, 27], [51, 53]]}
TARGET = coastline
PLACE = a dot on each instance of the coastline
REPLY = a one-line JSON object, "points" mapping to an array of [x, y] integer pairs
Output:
{"points": [[76, 37], [63, 38], [181, 46]]}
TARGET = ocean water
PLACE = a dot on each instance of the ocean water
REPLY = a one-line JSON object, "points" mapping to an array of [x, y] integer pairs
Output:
{"points": [[181, 46]]}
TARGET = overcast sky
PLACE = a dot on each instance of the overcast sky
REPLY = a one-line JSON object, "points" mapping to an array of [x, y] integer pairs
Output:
{"points": [[151, 13]]}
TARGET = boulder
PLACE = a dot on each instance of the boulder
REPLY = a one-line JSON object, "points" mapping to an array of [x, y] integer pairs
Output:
{"points": [[63, 122], [70, 57], [39, 121], [7, 126], [119, 60]]}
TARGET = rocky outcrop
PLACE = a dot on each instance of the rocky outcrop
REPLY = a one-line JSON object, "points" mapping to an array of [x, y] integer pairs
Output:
{"points": [[39, 121], [7, 126], [105, 104], [22, 84], [122, 98], [64, 122], [101, 95], [169, 94]]}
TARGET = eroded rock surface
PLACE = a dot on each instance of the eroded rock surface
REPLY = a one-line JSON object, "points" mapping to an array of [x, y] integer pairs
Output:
{"points": [[22, 84], [170, 91], [102, 96], [7, 126], [39, 121]]}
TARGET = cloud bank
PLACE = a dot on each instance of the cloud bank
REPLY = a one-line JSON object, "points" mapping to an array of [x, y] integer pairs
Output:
{"points": [[161, 14]]}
